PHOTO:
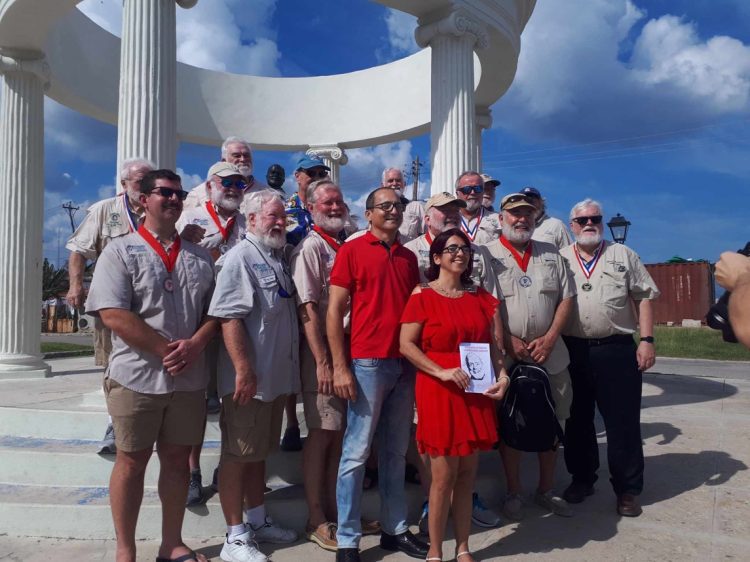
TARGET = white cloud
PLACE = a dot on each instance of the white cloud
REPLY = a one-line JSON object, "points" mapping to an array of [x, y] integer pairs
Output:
{"points": [[401, 28], [106, 191], [579, 81]]}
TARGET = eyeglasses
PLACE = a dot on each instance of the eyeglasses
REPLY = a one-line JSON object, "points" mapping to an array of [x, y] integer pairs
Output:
{"points": [[239, 184], [583, 221], [316, 174], [167, 193], [468, 189], [388, 206], [453, 249]]}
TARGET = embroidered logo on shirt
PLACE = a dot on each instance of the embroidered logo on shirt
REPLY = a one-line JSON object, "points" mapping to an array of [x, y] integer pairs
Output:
{"points": [[135, 249]]}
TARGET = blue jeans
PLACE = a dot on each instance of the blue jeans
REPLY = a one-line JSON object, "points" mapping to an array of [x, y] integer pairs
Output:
{"points": [[384, 410]]}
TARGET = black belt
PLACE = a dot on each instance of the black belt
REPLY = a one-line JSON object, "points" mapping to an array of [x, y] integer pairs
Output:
{"points": [[593, 342]]}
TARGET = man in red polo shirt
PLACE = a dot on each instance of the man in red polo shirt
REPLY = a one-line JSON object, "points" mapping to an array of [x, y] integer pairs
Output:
{"points": [[378, 274]]}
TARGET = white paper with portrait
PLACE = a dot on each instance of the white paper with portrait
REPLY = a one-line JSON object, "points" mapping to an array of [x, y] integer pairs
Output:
{"points": [[476, 361]]}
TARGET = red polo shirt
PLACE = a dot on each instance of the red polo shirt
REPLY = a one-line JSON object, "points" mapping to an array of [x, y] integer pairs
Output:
{"points": [[379, 280]]}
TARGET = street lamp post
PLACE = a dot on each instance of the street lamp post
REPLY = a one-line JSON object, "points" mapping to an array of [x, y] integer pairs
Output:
{"points": [[618, 226]]}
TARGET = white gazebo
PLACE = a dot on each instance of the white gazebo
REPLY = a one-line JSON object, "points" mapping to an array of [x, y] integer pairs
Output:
{"points": [[47, 47]]}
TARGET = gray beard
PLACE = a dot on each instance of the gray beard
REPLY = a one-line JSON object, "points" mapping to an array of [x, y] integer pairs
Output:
{"points": [[220, 199], [589, 238], [472, 205], [273, 241], [517, 236], [329, 224]]}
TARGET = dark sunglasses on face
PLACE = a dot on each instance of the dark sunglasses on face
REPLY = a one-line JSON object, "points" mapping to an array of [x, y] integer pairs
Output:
{"points": [[317, 174], [453, 249], [468, 189], [388, 206], [168, 193], [583, 221], [229, 182]]}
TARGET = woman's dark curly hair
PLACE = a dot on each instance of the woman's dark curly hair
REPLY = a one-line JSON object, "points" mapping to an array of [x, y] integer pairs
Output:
{"points": [[436, 249]]}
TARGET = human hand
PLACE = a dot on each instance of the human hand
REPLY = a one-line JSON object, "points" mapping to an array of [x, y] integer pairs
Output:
{"points": [[325, 378], [645, 355], [540, 348], [497, 390], [455, 375], [245, 387], [180, 354], [193, 233], [518, 349], [75, 296], [344, 385], [730, 267]]}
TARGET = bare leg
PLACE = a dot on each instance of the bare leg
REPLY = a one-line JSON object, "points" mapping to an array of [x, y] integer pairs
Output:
{"points": [[444, 473], [231, 484], [422, 464], [314, 456], [173, 484], [461, 505], [125, 496], [547, 462], [254, 483], [512, 467]]}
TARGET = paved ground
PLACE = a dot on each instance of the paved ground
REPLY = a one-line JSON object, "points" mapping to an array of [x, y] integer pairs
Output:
{"points": [[696, 501]]}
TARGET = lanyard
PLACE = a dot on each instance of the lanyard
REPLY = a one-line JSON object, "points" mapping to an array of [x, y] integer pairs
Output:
{"points": [[588, 267], [332, 242], [282, 290], [168, 257], [225, 231], [428, 238], [472, 232], [523, 262], [132, 219]]}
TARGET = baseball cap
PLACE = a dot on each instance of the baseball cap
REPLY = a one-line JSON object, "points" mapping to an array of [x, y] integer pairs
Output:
{"points": [[307, 162], [514, 201], [444, 198], [531, 192], [486, 178], [224, 170]]}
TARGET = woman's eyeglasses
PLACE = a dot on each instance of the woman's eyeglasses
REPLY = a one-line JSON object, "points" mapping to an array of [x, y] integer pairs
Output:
{"points": [[453, 249]]}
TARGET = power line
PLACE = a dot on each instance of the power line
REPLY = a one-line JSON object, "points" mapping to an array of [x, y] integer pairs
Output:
{"points": [[71, 211]]}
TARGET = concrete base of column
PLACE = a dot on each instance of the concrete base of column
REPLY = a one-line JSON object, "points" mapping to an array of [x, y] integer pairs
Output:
{"points": [[23, 367]]}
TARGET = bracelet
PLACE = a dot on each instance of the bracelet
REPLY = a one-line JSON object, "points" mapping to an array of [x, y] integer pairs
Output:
{"points": [[504, 377]]}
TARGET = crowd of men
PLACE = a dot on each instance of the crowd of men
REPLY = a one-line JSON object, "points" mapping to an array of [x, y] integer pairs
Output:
{"points": [[232, 297]]}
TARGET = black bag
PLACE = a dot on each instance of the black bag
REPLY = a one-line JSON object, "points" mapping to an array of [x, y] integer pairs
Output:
{"points": [[527, 413]]}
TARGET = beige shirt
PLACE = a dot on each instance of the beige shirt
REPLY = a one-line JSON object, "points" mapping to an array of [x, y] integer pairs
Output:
{"points": [[482, 229], [104, 221], [607, 309], [553, 231], [212, 239], [413, 223], [198, 196], [130, 275], [529, 307], [421, 248], [311, 264]]}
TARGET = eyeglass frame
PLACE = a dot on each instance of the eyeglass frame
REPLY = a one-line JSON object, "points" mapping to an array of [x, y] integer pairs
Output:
{"points": [[594, 219]]}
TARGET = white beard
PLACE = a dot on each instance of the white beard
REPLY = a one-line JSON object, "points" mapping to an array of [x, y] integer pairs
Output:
{"points": [[517, 236], [273, 240], [245, 169], [329, 224], [472, 205], [589, 238], [220, 199]]}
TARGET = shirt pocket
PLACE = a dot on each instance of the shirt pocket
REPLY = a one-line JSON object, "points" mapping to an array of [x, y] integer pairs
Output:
{"points": [[507, 285], [614, 289], [550, 282], [270, 298]]}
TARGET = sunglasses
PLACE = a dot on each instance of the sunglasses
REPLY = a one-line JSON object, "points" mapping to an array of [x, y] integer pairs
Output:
{"points": [[316, 174], [453, 249], [469, 189], [167, 193], [239, 184], [388, 206], [583, 221]]}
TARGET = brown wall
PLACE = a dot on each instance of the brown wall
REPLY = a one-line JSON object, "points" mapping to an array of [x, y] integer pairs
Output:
{"points": [[687, 291]]}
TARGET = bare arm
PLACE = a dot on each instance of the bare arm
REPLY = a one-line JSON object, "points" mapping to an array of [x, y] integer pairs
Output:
{"points": [[76, 267], [134, 331], [739, 309], [646, 354], [542, 346], [184, 352], [409, 345], [236, 342], [312, 326], [343, 379]]}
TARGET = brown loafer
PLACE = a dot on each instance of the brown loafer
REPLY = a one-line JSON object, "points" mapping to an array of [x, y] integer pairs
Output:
{"points": [[628, 506]]}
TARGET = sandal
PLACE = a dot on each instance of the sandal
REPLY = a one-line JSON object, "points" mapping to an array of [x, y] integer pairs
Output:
{"points": [[463, 553], [184, 558]]}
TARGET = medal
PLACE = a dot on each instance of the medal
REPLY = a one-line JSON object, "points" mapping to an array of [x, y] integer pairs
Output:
{"points": [[168, 285], [523, 262], [587, 268], [223, 249], [525, 281], [586, 286]]}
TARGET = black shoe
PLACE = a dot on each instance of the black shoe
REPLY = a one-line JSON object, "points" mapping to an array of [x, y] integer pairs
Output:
{"points": [[406, 542], [215, 480], [213, 405], [347, 555], [195, 491], [577, 492], [291, 440]]}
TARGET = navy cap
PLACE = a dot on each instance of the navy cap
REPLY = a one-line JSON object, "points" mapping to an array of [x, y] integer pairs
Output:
{"points": [[531, 192], [307, 162]]}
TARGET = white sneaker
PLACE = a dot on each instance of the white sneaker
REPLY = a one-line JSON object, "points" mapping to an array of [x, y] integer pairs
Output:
{"points": [[271, 532], [242, 549]]}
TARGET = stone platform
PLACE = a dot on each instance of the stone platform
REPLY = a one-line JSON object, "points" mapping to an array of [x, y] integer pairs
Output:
{"points": [[54, 503]]}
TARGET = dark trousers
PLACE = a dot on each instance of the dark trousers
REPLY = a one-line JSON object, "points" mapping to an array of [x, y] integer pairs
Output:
{"points": [[605, 373]]}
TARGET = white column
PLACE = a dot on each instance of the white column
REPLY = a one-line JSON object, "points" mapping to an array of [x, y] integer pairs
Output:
{"points": [[147, 115], [483, 121], [452, 133], [334, 157], [21, 213]]}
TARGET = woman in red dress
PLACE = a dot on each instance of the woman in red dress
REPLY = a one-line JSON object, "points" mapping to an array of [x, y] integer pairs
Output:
{"points": [[453, 425]]}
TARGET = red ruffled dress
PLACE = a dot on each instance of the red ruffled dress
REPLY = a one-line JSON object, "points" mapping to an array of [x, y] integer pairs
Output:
{"points": [[451, 422]]}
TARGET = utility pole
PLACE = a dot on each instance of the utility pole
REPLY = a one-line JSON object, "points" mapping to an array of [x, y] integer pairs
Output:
{"points": [[71, 211], [415, 165]]}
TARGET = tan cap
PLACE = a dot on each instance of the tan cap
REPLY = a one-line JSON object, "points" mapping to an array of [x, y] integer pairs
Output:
{"points": [[514, 201], [224, 170], [489, 179], [442, 199]]}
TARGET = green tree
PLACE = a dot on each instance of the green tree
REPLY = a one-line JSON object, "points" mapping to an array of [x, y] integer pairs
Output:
{"points": [[54, 281]]}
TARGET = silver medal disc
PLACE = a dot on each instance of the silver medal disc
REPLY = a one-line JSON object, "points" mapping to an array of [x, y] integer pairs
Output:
{"points": [[525, 281], [223, 248], [586, 286]]}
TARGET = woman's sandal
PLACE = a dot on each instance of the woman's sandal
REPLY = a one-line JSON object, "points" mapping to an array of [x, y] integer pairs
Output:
{"points": [[433, 558], [464, 553]]}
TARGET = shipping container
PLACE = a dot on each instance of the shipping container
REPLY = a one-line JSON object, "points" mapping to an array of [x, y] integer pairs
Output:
{"points": [[687, 291]]}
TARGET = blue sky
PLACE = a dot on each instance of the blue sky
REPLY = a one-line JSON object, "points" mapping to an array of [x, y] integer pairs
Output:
{"points": [[641, 104]]}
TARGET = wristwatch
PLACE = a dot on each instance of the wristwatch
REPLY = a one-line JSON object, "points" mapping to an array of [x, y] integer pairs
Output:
{"points": [[648, 339]]}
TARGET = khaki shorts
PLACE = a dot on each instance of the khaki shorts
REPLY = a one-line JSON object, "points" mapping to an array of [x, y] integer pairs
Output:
{"points": [[321, 411], [562, 392], [140, 419], [251, 432]]}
